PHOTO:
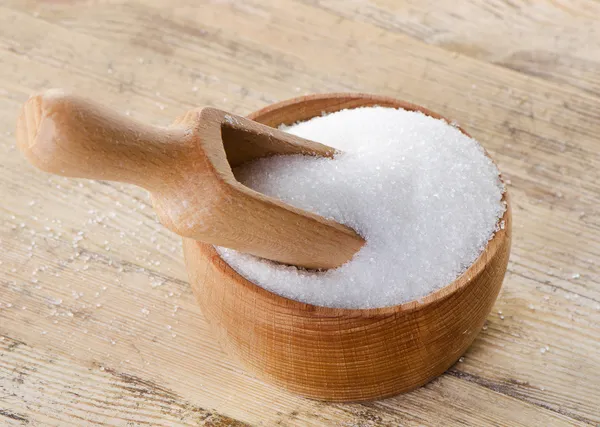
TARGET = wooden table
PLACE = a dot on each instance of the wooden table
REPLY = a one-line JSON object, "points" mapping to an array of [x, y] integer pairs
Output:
{"points": [[97, 322]]}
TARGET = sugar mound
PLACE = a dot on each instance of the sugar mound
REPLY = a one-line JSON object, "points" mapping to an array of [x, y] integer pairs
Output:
{"points": [[423, 195]]}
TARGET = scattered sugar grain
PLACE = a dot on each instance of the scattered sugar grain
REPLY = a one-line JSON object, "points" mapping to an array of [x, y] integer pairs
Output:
{"points": [[424, 196]]}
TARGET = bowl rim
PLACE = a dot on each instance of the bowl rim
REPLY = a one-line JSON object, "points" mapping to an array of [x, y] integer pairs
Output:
{"points": [[475, 269]]}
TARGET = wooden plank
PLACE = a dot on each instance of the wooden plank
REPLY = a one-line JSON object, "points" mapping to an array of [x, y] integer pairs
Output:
{"points": [[41, 383], [557, 41], [50, 390], [149, 61]]}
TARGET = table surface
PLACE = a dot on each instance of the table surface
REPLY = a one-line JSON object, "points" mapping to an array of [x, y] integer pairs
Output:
{"points": [[98, 325]]}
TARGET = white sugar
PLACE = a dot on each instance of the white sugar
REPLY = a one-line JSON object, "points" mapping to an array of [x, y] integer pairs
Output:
{"points": [[423, 195]]}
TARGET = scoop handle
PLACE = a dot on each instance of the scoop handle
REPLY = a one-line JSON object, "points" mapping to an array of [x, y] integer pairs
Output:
{"points": [[71, 136], [185, 168]]}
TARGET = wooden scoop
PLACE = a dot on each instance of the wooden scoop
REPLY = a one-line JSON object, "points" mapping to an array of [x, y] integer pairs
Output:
{"points": [[187, 170]]}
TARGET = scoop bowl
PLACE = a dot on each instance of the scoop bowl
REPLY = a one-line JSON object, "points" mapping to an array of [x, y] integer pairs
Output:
{"points": [[338, 354]]}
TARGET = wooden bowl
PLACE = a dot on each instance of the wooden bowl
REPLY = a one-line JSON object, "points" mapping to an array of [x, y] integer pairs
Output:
{"points": [[338, 354]]}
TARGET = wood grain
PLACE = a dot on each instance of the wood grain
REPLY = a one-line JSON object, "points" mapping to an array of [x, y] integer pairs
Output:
{"points": [[166, 57], [557, 41], [97, 395]]}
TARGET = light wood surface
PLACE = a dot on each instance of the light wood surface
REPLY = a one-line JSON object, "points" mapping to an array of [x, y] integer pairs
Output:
{"points": [[186, 167], [345, 355], [106, 354]]}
